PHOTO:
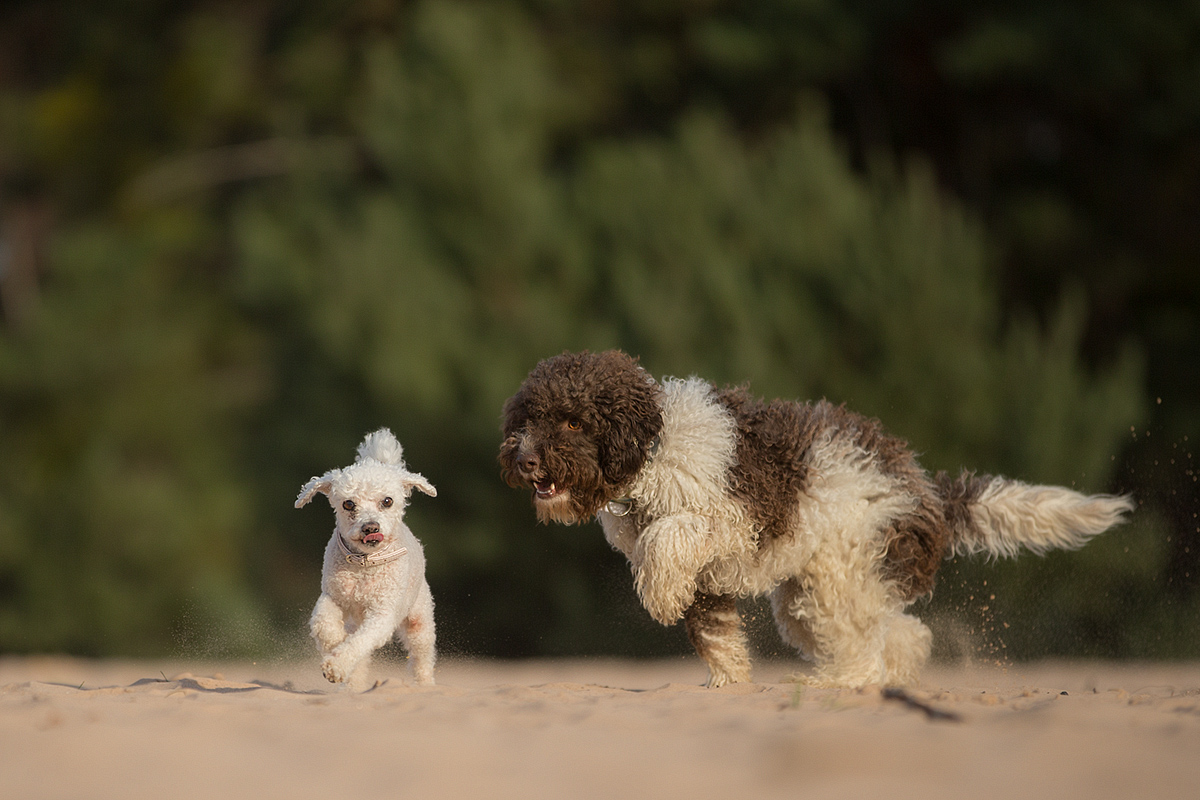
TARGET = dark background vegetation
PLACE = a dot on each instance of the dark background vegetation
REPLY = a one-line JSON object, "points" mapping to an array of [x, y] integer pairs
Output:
{"points": [[235, 236]]}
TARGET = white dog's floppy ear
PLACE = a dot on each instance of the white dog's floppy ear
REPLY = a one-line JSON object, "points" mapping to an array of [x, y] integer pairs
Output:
{"points": [[414, 481], [322, 484]]}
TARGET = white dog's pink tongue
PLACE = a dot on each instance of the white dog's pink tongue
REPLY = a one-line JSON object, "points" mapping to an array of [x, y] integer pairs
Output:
{"points": [[372, 538]]}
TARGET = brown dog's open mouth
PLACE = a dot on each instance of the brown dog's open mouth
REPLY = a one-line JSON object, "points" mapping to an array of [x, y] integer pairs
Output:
{"points": [[545, 489]]}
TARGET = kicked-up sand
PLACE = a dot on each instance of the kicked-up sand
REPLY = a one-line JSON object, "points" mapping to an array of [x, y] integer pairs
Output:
{"points": [[593, 729]]}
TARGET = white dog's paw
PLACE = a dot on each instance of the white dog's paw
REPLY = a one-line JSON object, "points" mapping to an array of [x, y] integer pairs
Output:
{"points": [[337, 668]]}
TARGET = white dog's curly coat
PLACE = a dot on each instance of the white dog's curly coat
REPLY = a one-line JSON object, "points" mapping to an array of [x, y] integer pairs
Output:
{"points": [[713, 495], [373, 580]]}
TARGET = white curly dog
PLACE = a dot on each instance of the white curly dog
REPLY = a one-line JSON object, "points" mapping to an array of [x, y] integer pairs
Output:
{"points": [[373, 581]]}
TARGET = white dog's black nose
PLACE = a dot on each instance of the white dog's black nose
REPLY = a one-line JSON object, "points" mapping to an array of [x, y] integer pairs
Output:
{"points": [[370, 527]]}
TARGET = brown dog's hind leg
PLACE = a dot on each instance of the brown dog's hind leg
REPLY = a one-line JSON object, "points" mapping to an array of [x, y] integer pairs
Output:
{"points": [[714, 628], [793, 629]]}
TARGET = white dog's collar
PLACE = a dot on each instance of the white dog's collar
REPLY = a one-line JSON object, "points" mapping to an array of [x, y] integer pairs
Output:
{"points": [[365, 559]]}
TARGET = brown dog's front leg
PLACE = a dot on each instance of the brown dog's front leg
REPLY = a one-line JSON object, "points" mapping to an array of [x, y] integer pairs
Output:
{"points": [[714, 628], [666, 559]]}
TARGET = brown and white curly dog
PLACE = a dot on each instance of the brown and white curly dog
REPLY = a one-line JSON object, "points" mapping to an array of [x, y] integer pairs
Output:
{"points": [[713, 494]]}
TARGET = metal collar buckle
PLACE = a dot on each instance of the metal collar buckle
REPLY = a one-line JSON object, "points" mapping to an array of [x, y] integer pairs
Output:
{"points": [[619, 508]]}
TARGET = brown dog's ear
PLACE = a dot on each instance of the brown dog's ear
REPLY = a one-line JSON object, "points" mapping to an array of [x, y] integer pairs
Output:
{"points": [[515, 415], [630, 417]]}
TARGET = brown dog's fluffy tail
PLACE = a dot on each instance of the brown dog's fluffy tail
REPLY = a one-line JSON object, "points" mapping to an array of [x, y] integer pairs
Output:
{"points": [[999, 516]]}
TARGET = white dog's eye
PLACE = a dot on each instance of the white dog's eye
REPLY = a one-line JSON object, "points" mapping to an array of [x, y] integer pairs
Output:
{"points": [[387, 502], [348, 505]]}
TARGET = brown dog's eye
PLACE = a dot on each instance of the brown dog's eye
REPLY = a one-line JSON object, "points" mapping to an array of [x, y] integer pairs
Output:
{"points": [[387, 502], [348, 505], [574, 424]]}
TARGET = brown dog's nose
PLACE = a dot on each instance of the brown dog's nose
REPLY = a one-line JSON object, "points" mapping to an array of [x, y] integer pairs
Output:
{"points": [[529, 463]]}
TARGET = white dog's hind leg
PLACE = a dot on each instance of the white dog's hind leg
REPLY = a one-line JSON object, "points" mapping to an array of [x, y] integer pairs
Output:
{"points": [[667, 557], [417, 634], [327, 625], [714, 628]]}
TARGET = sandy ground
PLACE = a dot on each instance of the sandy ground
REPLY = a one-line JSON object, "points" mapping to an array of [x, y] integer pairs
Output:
{"points": [[592, 729]]}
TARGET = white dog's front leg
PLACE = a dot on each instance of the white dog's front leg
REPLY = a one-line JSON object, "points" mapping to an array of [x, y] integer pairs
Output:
{"points": [[670, 552], [373, 634], [327, 624]]}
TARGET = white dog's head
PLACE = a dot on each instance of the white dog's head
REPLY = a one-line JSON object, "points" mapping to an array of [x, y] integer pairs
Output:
{"points": [[369, 496]]}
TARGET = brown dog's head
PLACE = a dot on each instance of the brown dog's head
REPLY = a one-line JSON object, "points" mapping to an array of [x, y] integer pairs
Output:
{"points": [[576, 432]]}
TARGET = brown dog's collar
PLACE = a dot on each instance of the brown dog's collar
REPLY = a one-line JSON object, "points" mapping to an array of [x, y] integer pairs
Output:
{"points": [[652, 451], [368, 560], [623, 505], [619, 507]]}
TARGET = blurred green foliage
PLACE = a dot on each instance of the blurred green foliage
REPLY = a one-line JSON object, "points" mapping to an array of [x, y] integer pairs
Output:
{"points": [[236, 239]]}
